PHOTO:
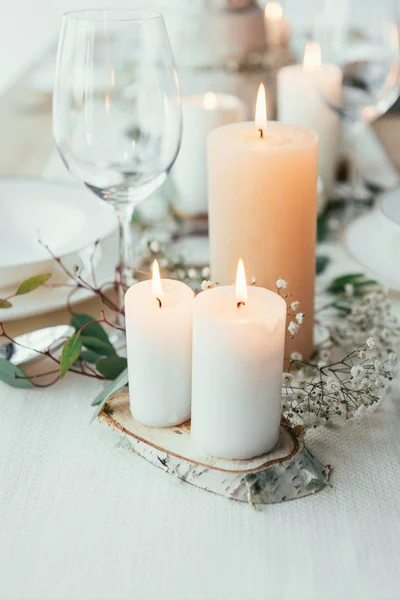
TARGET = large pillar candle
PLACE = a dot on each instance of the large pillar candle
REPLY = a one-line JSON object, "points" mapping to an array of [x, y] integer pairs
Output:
{"points": [[201, 114], [159, 315], [262, 206], [238, 339], [304, 93]]}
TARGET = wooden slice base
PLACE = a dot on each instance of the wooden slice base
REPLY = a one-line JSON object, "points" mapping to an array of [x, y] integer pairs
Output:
{"points": [[290, 471]]}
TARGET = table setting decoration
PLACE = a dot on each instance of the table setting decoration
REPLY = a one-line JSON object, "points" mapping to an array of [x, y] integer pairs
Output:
{"points": [[347, 377]]}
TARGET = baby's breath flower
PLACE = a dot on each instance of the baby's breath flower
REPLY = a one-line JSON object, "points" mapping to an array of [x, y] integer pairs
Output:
{"points": [[377, 365], [206, 285], [300, 318], [295, 305], [296, 356], [370, 343], [192, 273], [361, 354], [155, 246], [287, 379], [293, 328], [357, 372], [281, 284], [349, 290], [253, 281], [332, 385], [321, 364], [205, 272]]}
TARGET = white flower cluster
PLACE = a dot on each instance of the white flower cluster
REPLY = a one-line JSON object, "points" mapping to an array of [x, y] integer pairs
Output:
{"points": [[369, 318], [326, 388]]}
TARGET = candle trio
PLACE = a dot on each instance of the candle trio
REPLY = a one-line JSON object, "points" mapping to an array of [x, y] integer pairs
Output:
{"points": [[217, 358]]}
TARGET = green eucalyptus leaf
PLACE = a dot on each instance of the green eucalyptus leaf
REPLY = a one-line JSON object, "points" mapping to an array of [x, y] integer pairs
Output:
{"points": [[78, 320], [70, 353], [110, 389], [111, 366], [102, 348], [32, 283], [5, 304], [89, 356], [338, 284], [13, 376], [368, 282]]}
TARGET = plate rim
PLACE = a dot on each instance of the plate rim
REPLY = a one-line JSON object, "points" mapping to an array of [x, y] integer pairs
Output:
{"points": [[65, 184], [390, 283]]}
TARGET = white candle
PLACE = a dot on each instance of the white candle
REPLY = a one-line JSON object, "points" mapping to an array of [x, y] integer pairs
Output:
{"points": [[238, 340], [201, 114], [262, 193], [159, 315], [304, 92], [276, 26]]}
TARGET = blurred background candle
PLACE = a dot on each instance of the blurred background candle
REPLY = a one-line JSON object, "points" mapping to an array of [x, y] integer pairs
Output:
{"points": [[238, 340], [276, 26], [159, 316], [262, 205], [201, 114], [304, 94]]}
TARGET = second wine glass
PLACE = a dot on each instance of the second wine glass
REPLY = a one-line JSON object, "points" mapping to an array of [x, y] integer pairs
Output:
{"points": [[116, 109], [362, 39]]}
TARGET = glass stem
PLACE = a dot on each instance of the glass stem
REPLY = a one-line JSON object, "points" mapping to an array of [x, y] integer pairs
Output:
{"points": [[358, 191], [124, 214]]}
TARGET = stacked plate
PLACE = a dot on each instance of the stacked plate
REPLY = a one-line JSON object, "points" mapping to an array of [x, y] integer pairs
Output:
{"points": [[374, 240], [38, 219]]}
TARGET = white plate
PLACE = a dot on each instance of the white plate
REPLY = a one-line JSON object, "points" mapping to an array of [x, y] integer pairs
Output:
{"points": [[389, 205], [46, 298], [375, 245], [35, 213]]}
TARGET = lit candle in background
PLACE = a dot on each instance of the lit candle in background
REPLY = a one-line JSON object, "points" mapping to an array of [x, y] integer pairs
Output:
{"points": [[262, 206], [201, 114], [304, 94], [276, 26], [238, 340], [159, 315]]}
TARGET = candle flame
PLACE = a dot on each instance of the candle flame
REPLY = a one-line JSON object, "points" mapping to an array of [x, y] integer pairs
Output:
{"points": [[312, 57], [241, 285], [156, 283], [210, 101], [273, 11], [261, 110]]}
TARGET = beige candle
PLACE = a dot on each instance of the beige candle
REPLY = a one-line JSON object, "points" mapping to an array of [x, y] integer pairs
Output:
{"points": [[263, 207]]}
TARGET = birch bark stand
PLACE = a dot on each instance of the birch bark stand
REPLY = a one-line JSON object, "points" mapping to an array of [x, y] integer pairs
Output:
{"points": [[290, 471]]}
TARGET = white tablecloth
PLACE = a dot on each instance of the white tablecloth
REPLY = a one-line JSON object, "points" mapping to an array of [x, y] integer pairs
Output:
{"points": [[84, 518]]}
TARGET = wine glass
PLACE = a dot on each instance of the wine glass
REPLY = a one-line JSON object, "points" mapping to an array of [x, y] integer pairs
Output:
{"points": [[116, 110], [362, 39]]}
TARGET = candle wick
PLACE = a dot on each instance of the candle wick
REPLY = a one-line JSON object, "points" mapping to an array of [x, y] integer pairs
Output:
{"points": [[261, 132], [239, 304], [159, 302]]}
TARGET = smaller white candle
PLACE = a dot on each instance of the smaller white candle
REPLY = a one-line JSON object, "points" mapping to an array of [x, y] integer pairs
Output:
{"points": [[201, 114], [304, 94], [238, 340], [159, 316], [276, 26]]}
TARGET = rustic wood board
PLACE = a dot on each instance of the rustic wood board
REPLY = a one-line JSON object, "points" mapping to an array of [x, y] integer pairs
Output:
{"points": [[290, 471]]}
